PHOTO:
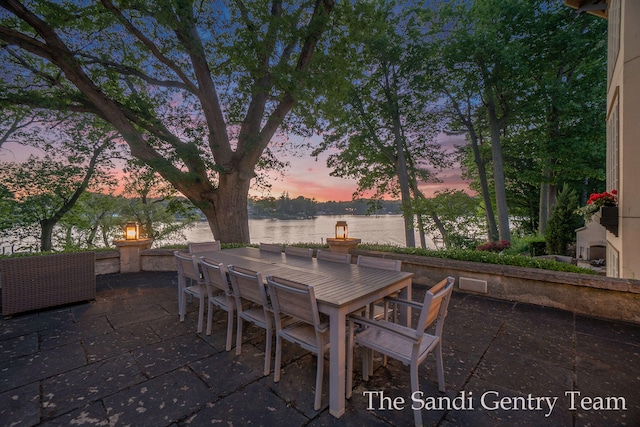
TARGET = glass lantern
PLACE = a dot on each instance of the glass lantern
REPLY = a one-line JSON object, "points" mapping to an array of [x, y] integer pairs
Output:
{"points": [[131, 231], [342, 230]]}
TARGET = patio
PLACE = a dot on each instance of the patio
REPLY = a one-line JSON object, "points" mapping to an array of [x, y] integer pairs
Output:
{"points": [[125, 359]]}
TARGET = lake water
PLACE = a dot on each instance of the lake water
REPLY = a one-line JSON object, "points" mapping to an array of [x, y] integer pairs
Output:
{"points": [[381, 229]]}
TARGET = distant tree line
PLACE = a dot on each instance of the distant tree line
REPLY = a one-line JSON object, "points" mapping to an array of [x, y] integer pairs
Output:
{"points": [[285, 207]]}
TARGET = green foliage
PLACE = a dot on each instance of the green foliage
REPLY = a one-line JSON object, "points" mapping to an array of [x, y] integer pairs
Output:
{"points": [[495, 246], [195, 89], [548, 70], [382, 130], [9, 212], [460, 219], [154, 204], [532, 245], [482, 256], [561, 228]]}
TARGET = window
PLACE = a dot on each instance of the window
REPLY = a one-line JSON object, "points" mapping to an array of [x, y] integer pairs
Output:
{"points": [[613, 147], [613, 36], [612, 262]]}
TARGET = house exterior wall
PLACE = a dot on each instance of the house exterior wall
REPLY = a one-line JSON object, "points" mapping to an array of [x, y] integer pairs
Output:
{"points": [[623, 98], [590, 236]]}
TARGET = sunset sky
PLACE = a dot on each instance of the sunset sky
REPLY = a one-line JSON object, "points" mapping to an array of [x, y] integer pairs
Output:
{"points": [[310, 178], [305, 177]]}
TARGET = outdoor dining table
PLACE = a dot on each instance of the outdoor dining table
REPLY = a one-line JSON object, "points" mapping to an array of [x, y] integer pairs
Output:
{"points": [[340, 289]]}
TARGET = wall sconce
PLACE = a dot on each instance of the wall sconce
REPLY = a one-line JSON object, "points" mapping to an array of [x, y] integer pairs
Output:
{"points": [[342, 230], [131, 231]]}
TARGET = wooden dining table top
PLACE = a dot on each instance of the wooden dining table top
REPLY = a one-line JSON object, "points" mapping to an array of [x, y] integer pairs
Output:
{"points": [[334, 283]]}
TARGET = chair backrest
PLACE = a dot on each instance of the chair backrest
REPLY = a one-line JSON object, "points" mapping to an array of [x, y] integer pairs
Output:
{"points": [[248, 285], [215, 276], [187, 265], [196, 247], [293, 299], [271, 247], [434, 307], [301, 252], [333, 257], [382, 263]]}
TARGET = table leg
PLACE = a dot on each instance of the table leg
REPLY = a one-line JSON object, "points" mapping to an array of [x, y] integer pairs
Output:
{"points": [[337, 363], [405, 312]]}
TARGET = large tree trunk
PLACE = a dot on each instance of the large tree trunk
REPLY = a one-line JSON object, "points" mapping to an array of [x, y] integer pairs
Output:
{"points": [[492, 227], [46, 234], [498, 171], [403, 180], [466, 119], [230, 224], [548, 190], [548, 193]]}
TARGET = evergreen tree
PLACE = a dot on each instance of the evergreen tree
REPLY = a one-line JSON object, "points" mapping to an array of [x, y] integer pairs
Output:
{"points": [[561, 228]]}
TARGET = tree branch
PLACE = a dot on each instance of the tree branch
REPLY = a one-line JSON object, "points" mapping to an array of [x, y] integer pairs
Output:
{"points": [[149, 44], [316, 27], [130, 71]]}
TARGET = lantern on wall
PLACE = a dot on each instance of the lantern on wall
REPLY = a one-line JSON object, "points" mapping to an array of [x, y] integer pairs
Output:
{"points": [[342, 230], [131, 231]]}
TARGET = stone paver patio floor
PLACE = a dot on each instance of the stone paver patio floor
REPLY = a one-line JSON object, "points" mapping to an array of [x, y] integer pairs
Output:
{"points": [[125, 359]]}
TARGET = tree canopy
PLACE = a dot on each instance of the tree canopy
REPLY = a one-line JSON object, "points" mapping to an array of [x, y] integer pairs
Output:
{"points": [[197, 90]]}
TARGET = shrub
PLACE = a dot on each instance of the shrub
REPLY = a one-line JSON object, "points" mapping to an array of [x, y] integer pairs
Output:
{"points": [[495, 246], [533, 245], [483, 256], [561, 228]]}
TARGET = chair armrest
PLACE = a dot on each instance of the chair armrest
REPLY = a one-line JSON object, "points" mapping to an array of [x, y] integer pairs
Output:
{"points": [[323, 327], [403, 331]]}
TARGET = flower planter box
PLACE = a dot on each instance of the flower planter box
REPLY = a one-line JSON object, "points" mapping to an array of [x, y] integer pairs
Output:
{"points": [[32, 283], [609, 218]]}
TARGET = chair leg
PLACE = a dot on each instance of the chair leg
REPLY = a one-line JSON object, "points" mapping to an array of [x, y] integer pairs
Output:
{"points": [[229, 329], [319, 375], [239, 337], [201, 314], [439, 367], [183, 307], [417, 413], [365, 363], [209, 316], [267, 351], [276, 368], [180, 296]]}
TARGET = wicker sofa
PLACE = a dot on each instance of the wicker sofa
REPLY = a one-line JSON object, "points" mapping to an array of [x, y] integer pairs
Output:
{"points": [[32, 283]]}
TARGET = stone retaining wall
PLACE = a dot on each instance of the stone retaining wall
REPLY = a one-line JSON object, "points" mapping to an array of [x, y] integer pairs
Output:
{"points": [[591, 295]]}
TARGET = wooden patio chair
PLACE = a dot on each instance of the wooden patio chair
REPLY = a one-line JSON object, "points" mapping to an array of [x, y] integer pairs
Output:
{"points": [[375, 311], [308, 329], [188, 268], [271, 247], [333, 257], [199, 247], [248, 286], [411, 346], [301, 252], [219, 294]]}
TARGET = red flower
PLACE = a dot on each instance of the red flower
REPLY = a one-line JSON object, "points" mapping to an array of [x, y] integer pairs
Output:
{"points": [[603, 199]]}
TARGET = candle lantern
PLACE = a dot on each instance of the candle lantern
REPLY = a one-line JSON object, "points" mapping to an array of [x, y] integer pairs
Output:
{"points": [[342, 230], [131, 231]]}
